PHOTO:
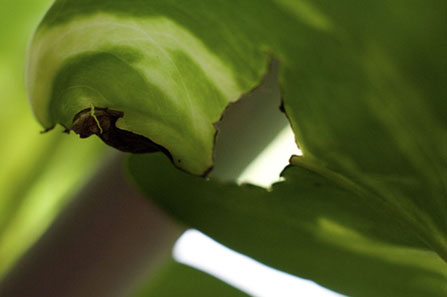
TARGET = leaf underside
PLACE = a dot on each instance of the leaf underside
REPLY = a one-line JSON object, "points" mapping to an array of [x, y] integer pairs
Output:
{"points": [[180, 280], [306, 225], [364, 211]]}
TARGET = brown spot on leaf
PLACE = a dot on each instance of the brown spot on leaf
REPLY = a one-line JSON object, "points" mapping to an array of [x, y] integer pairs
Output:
{"points": [[102, 122]]}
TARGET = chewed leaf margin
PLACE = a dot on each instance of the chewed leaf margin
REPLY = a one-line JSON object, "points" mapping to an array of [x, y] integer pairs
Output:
{"points": [[306, 225]]}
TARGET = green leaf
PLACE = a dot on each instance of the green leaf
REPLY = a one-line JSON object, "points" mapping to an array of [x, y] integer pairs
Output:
{"points": [[180, 280], [362, 84], [367, 108], [306, 225], [124, 56]]}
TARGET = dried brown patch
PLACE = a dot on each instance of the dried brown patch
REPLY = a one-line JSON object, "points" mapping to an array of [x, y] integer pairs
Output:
{"points": [[102, 123]]}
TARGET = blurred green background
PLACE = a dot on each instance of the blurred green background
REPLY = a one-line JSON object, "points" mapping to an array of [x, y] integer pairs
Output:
{"points": [[38, 172]]}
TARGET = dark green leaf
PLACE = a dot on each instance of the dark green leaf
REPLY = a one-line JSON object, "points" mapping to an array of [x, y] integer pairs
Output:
{"points": [[365, 104], [307, 225], [180, 280]]}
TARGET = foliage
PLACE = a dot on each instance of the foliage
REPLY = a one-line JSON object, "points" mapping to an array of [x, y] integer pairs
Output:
{"points": [[307, 225], [363, 211], [180, 280]]}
